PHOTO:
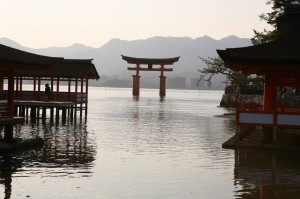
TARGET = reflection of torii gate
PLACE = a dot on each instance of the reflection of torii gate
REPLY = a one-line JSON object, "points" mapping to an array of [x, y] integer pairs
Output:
{"points": [[150, 62]]}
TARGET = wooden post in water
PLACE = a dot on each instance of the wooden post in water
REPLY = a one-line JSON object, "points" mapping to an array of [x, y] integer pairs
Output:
{"points": [[33, 113], [86, 91], [81, 97], [8, 133], [44, 113]]}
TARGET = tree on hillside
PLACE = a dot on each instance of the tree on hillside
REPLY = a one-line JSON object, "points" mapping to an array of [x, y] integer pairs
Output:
{"points": [[216, 65], [270, 35]]}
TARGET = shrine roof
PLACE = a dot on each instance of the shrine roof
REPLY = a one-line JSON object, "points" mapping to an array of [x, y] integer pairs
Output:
{"points": [[27, 64], [22, 58], [68, 68], [156, 61], [283, 53]]}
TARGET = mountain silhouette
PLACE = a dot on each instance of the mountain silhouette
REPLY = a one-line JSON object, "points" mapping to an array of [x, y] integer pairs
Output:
{"points": [[108, 61]]}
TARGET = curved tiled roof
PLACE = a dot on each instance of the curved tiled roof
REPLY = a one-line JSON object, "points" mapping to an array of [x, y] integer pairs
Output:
{"points": [[283, 53], [12, 55], [156, 61], [68, 68], [27, 64]]}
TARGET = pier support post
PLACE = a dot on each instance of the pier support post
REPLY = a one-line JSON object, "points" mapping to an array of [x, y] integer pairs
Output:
{"points": [[44, 113], [8, 133], [238, 132], [33, 113], [51, 113], [275, 130], [64, 114], [26, 112], [23, 111], [57, 114]]}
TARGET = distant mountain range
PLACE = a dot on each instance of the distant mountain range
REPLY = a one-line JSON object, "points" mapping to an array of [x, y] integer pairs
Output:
{"points": [[109, 63]]}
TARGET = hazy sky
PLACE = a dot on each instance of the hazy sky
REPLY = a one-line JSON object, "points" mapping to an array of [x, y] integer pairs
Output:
{"points": [[44, 23]]}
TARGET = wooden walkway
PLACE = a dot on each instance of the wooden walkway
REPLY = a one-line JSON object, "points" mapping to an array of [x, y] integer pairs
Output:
{"points": [[32, 108]]}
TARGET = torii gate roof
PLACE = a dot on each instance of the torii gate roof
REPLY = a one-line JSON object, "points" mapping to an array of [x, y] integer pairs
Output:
{"points": [[153, 61]]}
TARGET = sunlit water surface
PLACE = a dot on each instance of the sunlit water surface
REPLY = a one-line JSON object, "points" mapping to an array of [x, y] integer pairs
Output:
{"points": [[145, 148]]}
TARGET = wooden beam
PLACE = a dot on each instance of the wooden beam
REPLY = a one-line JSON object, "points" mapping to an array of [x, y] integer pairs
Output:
{"points": [[153, 69]]}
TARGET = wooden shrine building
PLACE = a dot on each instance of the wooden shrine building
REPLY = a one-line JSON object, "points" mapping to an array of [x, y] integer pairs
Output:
{"points": [[19, 69], [11, 61], [149, 63], [279, 63], [73, 74]]}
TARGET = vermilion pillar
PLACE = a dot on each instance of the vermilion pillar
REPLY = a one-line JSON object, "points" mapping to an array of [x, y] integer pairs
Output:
{"points": [[269, 93], [162, 88], [136, 85], [136, 82]]}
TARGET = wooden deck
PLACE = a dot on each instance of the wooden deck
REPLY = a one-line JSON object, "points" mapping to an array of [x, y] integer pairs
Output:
{"points": [[11, 120], [32, 108], [43, 103]]}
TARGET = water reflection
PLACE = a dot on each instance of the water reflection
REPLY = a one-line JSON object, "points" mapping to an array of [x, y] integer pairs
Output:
{"points": [[267, 174], [69, 150]]}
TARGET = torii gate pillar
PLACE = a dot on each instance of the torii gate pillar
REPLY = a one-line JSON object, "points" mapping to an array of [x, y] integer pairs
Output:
{"points": [[162, 87], [136, 85]]}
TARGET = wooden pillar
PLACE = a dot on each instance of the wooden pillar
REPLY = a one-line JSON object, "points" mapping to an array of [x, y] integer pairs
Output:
{"points": [[136, 82], [269, 93], [57, 114], [69, 89], [11, 95], [162, 88], [57, 89], [17, 88], [1, 83], [136, 85], [8, 133], [21, 88], [81, 98], [71, 112], [275, 130], [33, 113], [44, 113], [64, 114], [51, 97], [8, 129], [86, 91], [51, 113], [26, 111], [39, 88], [76, 93], [1, 86], [34, 88]]}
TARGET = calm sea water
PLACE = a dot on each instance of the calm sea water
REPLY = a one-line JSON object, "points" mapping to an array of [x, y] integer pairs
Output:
{"points": [[145, 148]]}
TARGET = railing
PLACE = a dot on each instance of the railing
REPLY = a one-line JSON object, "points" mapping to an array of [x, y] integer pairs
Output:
{"points": [[282, 116], [54, 96], [4, 112]]}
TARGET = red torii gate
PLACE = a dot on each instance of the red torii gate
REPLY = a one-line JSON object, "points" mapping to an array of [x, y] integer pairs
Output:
{"points": [[149, 62]]}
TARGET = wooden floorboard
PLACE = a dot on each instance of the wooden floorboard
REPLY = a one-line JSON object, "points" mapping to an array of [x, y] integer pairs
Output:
{"points": [[11, 120], [43, 103]]}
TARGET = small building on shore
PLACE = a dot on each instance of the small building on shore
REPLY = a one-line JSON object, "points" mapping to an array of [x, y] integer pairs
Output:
{"points": [[279, 63]]}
